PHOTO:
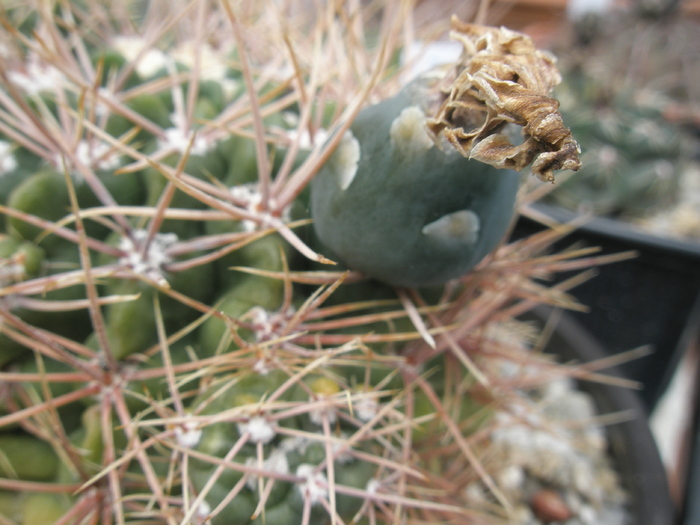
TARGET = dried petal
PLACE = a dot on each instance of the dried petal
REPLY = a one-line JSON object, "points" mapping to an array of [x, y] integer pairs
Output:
{"points": [[502, 78]]}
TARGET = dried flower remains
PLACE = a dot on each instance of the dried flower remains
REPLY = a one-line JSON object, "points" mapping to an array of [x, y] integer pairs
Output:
{"points": [[501, 79]]}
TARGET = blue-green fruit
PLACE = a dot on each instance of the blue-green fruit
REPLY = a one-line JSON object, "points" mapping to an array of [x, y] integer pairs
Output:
{"points": [[391, 204]]}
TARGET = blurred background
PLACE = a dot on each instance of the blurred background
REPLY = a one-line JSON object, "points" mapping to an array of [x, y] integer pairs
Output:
{"points": [[630, 93]]}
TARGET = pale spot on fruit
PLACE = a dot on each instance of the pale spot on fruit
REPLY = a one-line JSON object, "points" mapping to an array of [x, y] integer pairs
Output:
{"points": [[463, 225], [408, 132], [345, 160]]}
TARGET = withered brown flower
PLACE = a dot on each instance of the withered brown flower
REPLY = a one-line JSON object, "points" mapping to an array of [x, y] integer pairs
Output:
{"points": [[500, 79]]}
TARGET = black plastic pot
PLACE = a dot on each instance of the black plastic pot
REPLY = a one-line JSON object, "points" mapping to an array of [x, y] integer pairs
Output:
{"points": [[691, 510], [631, 443], [653, 299]]}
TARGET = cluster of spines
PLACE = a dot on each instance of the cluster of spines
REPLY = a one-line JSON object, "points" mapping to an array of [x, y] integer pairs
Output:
{"points": [[152, 381]]}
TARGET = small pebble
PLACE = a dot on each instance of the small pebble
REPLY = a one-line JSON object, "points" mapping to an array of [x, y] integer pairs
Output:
{"points": [[549, 506]]}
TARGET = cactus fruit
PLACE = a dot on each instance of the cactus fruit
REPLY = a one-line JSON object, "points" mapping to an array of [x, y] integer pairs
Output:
{"points": [[390, 204], [398, 202], [172, 350]]}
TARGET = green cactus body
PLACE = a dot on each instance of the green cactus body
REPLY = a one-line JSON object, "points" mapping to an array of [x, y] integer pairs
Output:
{"points": [[28, 255], [45, 195], [211, 100], [32, 261], [248, 292], [40, 509], [32, 508], [141, 391], [152, 107], [131, 325], [15, 164], [242, 165], [11, 505], [27, 458], [284, 455], [70, 417], [217, 440], [112, 62], [392, 205], [205, 165]]}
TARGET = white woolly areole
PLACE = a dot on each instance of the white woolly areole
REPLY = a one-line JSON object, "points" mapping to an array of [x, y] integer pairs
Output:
{"points": [[249, 194], [261, 366], [96, 155], [202, 512], [345, 159], [317, 415], [211, 62], [295, 444], [37, 77], [341, 452], [7, 159], [373, 486], [151, 61], [259, 428], [250, 198], [179, 139], [408, 132], [512, 477], [149, 264], [366, 408], [261, 321], [187, 434], [315, 485], [276, 463], [306, 140], [267, 325], [10, 273], [663, 169]]}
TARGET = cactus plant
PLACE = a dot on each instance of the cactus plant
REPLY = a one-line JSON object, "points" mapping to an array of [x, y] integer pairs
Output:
{"points": [[172, 350]]}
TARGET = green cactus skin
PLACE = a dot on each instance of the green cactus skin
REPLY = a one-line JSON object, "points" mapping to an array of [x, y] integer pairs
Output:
{"points": [[73, 323], [45, 195], [39, 509], [131, 325], [249, 292], [32, 508], [408, 214], [242, 292], [152, 107], [29, 255], [287, 455], [27, 458]]}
